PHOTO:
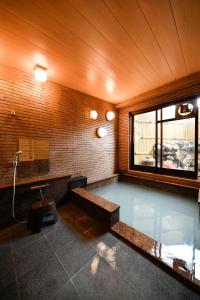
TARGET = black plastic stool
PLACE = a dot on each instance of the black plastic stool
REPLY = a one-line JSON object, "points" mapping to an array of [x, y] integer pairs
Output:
{"points": [[41, 209]]}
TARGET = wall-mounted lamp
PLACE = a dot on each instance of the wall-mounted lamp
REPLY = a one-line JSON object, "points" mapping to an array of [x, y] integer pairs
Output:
{"points": [[101, 132], [93, 114], [110, 115], [40, 73]]}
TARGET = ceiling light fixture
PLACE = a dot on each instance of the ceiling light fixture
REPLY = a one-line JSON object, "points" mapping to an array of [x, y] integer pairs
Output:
{"points": [[40, 73]]}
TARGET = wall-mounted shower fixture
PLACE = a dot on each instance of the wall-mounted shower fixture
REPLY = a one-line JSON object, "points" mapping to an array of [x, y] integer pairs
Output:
{"points": [[15, 164], [16, 161]]}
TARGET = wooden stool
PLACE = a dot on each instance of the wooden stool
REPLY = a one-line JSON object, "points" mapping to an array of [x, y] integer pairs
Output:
{"points": [[41, 209]]}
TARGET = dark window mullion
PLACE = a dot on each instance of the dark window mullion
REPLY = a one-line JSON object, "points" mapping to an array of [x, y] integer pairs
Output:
{"points": [[161, 139]]}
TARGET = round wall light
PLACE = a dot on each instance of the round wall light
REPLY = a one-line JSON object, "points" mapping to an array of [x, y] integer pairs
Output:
{"points": [[93, 114], [110, 115], [185, 109], [101, 132], [40, 73]]}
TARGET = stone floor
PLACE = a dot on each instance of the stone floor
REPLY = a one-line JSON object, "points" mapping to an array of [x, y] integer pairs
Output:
{"points": [[77, 259]]}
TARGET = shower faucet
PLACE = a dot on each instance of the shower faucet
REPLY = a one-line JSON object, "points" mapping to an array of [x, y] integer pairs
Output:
{"points": [[16, 162]]}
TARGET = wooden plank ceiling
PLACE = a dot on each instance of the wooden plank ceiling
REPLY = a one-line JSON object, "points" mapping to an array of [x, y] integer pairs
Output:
{"points": [[111, 49]]}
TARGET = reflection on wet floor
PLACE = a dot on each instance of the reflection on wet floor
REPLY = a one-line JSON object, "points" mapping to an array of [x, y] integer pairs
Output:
{"points": [[108, 253]]}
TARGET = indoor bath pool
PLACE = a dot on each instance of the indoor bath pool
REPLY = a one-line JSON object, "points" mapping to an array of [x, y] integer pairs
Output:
{"points": [[167, 217]]}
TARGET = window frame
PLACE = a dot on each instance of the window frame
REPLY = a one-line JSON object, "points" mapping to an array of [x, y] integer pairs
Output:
{"points": [[156, 169]]}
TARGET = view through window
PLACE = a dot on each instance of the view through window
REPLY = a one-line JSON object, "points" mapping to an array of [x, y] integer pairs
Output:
{"points": [[166, 139]]}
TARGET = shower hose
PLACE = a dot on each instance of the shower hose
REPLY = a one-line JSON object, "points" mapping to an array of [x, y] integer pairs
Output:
{"points": [[13, 198]]}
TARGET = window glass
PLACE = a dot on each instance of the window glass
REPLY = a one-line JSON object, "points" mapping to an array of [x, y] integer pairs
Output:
{"points": [[145, 138], [179, 145], [168, 112], [159, 114]]}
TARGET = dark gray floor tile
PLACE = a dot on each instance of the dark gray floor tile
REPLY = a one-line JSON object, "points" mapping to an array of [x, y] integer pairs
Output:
{"points": [[59, 234], [125, 291], [10, 292], [21, 237], [97, 280], [5, 248], [67, 292], [31, 255], [163, 286], [125, 258], [5, 235], [151, 281], [142, 286], [75, 255], [106, 238], [143, 268], [7, 274], [43, 280], [186, 293]]}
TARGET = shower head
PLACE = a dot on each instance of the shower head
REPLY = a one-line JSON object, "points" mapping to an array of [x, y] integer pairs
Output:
{"points": [[16, 162], [18, 152]]}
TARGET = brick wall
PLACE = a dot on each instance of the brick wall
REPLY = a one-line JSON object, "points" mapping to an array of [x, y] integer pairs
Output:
{"points": [[177, 90], [60, 115]]}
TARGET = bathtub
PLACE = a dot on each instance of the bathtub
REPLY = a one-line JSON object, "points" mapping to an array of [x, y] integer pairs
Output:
{"points": [[161, 220]]}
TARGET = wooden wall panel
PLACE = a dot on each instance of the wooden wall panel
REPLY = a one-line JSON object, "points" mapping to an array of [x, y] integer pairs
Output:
{"points": [[60, 115], [179, 89]]}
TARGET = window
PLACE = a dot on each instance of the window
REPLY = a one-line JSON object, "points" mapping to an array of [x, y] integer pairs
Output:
{"points": [[165, 140], [144, 138]]}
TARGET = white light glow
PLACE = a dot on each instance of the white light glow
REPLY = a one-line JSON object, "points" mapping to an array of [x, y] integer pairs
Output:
{"points": [[101, 132], [91, 76], [110, 85], [110, 115], [93, 114], [108, 253], [168, 112], [40, 73], [198, 101]]}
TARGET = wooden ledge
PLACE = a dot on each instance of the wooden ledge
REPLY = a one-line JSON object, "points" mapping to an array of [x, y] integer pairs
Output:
{"points": [[104, 210], [177, 181], [28, 181], [101, 202], [116, 175]]}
